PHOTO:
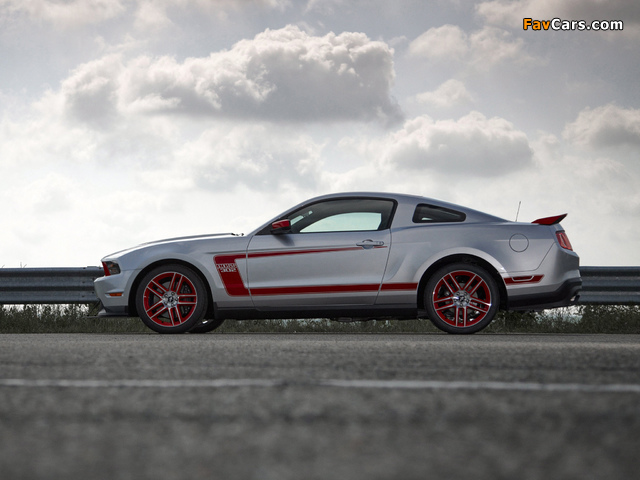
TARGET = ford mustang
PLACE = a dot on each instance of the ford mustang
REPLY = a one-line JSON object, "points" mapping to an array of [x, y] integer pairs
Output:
{"points": [[349, 255]]}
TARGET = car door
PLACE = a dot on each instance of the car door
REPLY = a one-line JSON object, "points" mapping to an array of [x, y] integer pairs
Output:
{"points": [[332, 252]]}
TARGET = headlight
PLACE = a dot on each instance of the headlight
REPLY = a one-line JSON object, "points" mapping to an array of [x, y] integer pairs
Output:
{"points": [[110, 268]]}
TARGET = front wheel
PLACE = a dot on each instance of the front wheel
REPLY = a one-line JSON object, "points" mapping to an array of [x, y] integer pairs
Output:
{"points": [[171, 299], [461, 298]]}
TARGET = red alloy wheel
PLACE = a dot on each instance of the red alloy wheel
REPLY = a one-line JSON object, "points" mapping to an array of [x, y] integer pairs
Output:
{"points": [[171, 299], [461, 298]]}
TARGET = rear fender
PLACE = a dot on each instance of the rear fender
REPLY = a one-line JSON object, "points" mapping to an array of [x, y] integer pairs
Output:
{"points": [[473, 256]]}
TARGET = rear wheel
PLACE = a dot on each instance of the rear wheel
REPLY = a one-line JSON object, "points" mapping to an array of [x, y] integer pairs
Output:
{"points": [[461, 298], [171, 299]]}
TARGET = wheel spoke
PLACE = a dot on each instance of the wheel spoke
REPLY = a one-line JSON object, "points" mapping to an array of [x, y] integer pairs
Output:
{"points": [[188, 298], [471, 286], [156, 288], [480, 305], [174, 316], [450, 278], [176, 282], [187, 303], [444, 307], [150, 311]]}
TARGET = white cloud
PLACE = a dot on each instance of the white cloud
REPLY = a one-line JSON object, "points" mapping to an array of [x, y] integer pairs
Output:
{"points": [[42, 136], [471, 146], [491, 46], [152, 15], [482, 49], [280, 75], [450, 93], [90, 93], [447, 41], [605, 126], [257, 156]]}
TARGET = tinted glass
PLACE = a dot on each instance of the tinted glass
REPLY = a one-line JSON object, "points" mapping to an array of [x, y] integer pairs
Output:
{"points": [[433, 214], [346, 215]]}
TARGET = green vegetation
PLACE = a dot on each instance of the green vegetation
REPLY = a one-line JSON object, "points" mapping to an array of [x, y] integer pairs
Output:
{"points": [[78, 319], [62, 319]]}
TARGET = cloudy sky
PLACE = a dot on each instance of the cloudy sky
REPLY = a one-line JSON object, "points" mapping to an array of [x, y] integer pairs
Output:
{"points": [[124, 121]]}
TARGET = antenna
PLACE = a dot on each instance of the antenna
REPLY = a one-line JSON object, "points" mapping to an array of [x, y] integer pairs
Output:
{"points": [[518, 212]]}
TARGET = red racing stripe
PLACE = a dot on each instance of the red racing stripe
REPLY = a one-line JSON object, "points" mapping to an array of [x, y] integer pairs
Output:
{"points": [[301, 252]]}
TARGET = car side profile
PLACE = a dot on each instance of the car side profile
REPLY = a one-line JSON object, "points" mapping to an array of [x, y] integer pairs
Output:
{"points": [[359, 255]]}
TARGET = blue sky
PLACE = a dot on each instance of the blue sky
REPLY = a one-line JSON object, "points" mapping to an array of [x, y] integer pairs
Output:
{"points": [[124, 121]]}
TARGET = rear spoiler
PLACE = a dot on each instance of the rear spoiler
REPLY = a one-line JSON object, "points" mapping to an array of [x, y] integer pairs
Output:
{"points": [[550, 220]]}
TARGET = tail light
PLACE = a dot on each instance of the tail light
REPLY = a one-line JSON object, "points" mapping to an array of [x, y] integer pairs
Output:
{"points": [[563, 240]]}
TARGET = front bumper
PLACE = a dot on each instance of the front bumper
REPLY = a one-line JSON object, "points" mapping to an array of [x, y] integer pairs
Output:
{"points": [[113, 293]]}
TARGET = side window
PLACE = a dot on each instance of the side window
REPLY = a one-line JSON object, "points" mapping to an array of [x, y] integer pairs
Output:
{"points": [[346, 222], [346, 215], [433, 214]]}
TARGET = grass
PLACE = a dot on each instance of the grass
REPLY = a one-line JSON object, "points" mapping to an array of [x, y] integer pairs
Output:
{"points": [[77, 319], [62, 319]]}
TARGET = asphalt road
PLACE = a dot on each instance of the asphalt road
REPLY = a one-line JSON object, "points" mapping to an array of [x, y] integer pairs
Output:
{"points": [[310, 406]]}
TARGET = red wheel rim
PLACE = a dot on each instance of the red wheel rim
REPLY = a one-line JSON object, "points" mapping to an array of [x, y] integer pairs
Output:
{"points": [[462, 298], [170, 299]]}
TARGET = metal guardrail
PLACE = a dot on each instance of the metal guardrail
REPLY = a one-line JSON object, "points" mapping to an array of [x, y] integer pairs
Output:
{"points": [[610, 286], [48, 285], [601, 285]]}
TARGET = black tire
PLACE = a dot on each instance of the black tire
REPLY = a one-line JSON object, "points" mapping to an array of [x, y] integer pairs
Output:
{"points": [[461, 298], [171, 299], [207, 326]]}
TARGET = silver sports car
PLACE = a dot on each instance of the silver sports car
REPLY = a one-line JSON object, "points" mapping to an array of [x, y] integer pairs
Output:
{"points": [[349, 255]]}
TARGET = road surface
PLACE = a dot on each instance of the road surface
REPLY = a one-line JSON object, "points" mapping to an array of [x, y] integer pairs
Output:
{"points": [[312, 406]]}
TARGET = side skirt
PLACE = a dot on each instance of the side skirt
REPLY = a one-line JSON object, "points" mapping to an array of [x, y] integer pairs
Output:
{"points": [[369, 312]]}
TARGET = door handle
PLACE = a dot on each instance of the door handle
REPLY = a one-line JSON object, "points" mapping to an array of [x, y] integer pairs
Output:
{"points": [[366, 244]]}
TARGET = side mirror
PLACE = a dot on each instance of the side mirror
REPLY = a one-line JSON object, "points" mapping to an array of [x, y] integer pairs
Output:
{"points": [[280, 227]]}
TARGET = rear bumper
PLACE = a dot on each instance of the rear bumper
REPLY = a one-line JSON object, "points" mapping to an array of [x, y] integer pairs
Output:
{"points": [[566, 295]]}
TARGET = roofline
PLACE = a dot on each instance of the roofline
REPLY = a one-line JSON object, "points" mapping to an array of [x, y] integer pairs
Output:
{"points": [[399, 197]]}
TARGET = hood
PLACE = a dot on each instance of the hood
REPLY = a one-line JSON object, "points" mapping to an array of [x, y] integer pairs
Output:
{"points": [[172, 240], [190, 237]]}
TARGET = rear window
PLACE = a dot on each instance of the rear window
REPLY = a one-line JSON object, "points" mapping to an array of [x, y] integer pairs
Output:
{"points": [[433, 214]]}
